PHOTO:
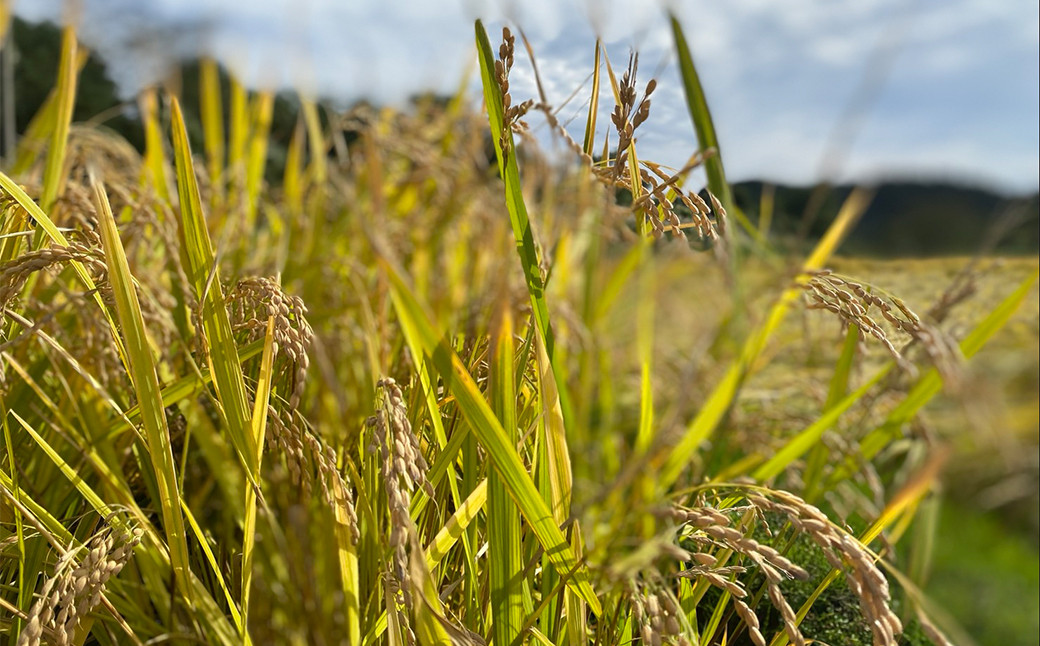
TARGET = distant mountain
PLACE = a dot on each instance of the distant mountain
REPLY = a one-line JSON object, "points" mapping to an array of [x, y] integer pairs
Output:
{"points": [[905, 218]]}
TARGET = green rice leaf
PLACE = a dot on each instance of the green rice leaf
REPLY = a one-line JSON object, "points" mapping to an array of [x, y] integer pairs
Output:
{"points": [[54, 171], [522, 232], [146, 385], [258, 424], [588, 142], [838, 388], [449, 534], [505, 558], [810, 437], [262, 109], [212, 114], [200, 265], [154, 155], [41, 126], [702, 122]]}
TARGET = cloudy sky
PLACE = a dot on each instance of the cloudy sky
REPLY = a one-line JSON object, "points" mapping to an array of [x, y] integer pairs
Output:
{"points": [[800, 91]]}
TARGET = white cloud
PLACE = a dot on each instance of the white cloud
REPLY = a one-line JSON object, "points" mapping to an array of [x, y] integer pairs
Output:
{"points": [[778, 75]]}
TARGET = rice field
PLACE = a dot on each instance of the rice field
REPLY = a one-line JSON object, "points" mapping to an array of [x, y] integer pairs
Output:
{"points": [[428, 388]]}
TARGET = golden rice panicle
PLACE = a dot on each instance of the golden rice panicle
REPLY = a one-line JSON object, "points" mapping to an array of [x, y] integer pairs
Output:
{"points": [[75, 589], [628, 115], [932, 631], [622, 111], [93, 337], [656, 615], [305, 452], [786, 613], [852, 301], [251, 302], [711, 526], [658, 193], [750, 620], [963, 286], [512, 114], [15, 272], [403, 466], [657, 205], [845, 553], [712, 529]]}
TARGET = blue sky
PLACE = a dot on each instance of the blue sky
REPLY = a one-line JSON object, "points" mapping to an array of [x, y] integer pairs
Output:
{"points": [[800, 91]]}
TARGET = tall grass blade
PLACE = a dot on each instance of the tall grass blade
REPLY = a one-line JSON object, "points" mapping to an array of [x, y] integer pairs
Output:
{"points": [[34, 139], [431, 626], [292, 179], [556, 481], [347, 559], [836, 393], [449, 534], [505, 558], [211, 111], [146, 385], [262, 109], [588, 142], [702, 122], [522, 231], [238, 140], [809, 438], [645, 344], [54, 171], [258, 424], [200, 265], [154, 155], [5, 20], [24, 593], [319, 167]]}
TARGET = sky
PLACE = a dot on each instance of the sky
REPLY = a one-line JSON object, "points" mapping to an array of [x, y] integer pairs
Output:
{"points": [[800, 91]]}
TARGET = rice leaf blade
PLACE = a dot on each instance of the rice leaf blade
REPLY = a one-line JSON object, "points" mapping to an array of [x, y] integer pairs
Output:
{"points": [[146, 384], [258, 424], [262, 109], [200, 265], [212, 114], [702, 122], [154, 156], [503, 519], [522, 232], [53, 174]]}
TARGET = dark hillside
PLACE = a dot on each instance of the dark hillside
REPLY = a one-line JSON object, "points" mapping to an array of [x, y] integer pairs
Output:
{"points": [[907, 218]]}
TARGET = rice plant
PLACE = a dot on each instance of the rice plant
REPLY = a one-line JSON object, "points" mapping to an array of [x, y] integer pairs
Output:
{"points": [[430, 388]]}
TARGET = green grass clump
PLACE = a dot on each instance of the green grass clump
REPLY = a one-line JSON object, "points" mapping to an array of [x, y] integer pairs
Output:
{"points": [[429, 388]]}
